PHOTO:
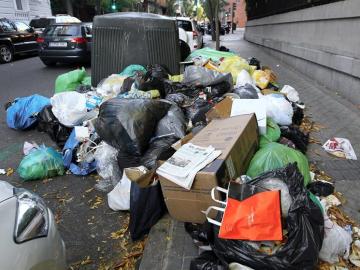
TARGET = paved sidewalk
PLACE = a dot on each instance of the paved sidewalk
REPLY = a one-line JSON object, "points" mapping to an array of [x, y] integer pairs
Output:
{"points": [[169, 247]]}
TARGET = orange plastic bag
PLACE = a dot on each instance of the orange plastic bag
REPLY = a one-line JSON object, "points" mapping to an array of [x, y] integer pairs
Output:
{"points": [[251, 213], [257, 218]]}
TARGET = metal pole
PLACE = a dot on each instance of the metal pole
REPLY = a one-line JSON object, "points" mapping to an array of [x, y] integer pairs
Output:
{"points": [[232, 18]]}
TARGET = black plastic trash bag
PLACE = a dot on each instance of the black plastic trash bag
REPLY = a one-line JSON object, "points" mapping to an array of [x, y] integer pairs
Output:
{"points": [[298, 115], [147, 206], [129, 124], [159, 149], [220, 89], [254, 62], [173, 123], [202, 233], [305, 226], [126, 86], [152, 79], [246, 92], [206, 261], [197, 112], [126, 160], [294, 134], [201, 76], [321, 188], [180, 99], [48, 123], [171, 87]]}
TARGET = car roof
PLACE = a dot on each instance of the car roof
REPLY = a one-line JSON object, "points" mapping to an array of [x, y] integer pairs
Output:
{"points": [[70, 23], [184, 18]]}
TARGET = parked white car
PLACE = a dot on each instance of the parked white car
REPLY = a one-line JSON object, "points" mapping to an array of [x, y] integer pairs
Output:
{"points": [[194, 38], [28, 233], [40, 23]]}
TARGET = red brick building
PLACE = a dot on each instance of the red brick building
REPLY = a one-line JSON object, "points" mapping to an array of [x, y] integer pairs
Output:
{"points": [[240, 13]]}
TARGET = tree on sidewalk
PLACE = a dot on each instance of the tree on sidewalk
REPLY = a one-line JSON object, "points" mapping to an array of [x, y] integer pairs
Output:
{"points": [[212, 9]]}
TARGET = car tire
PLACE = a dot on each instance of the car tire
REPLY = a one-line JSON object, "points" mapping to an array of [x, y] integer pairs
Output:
{"points": [[49, 63], [6, 54], [184, 50]]}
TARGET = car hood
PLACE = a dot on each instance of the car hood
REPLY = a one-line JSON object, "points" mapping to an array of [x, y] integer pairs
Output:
{"points": [[6, 191]]}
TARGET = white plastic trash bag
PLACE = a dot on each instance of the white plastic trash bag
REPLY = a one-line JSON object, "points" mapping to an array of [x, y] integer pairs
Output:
{"points": [[119, 197], [111, 86], [70, 108], [244, 78], [336, 242], [278, 108], [340, 147], [290, 93]]}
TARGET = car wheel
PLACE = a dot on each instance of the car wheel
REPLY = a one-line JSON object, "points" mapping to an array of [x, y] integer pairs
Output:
{"points": [[6, 54], [49, 63], [184, 50]]}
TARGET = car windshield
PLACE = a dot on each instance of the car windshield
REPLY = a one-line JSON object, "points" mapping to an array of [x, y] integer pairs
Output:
{"points": [[41, 23], [186, 25], [21, 26], [62, 30]]}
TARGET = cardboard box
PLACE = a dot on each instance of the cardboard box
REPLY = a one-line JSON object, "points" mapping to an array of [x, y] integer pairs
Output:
{"points": [[237, 138], [232, 107], [246, 106]]}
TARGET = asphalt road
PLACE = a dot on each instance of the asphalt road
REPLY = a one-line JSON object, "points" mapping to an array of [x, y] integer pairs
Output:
{"points": [[86, 231]]}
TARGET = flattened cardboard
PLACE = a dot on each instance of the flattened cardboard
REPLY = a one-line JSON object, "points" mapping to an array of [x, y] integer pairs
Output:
{"points": [[221, 110], [237, 138]]}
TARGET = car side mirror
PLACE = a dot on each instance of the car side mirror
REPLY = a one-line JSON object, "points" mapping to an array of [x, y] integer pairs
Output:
{"points": [[31, 30]]}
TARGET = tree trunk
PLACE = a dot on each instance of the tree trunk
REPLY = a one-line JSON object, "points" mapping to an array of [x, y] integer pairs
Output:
{"points": [[98, 7], [145, 5], [217, 25], [69, 7], [213, 30]]}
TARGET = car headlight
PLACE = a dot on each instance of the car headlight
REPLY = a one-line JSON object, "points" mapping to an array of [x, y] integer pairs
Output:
{"points": [[32, 217]]}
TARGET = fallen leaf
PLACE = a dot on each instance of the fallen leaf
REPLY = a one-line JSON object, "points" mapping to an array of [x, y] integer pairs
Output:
{"points": [[89, 190], [96, 202], [9, 171], [86, 261]]}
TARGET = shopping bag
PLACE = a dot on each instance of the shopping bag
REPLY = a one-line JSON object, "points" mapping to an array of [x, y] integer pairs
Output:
{"points": [[250, 213]]}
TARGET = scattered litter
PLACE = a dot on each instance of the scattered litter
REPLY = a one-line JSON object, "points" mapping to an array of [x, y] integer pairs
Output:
{"points": [[355, 254], [332, 200], [182, 167], [336, 242], [226, 123], [290, 93], [81, 133], [28, 147], [340, 147]]}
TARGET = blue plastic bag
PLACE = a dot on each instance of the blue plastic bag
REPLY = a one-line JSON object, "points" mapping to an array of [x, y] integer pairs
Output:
{"points": [[132, 69], [21, 113], [82, 168]]}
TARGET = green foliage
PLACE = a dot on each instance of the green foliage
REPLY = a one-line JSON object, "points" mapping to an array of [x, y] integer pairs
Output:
{"points": [[170, 10], [188, 6], [210, 7]]}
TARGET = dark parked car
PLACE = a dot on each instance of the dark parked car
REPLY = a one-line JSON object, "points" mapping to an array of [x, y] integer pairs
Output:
{"points": [[16, 38], [66, 43]]}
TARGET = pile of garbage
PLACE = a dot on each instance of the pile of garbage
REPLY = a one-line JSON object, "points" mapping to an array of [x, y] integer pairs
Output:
{"points": [[220, 147]]}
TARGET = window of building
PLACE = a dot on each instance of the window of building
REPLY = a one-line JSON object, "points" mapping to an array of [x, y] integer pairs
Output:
{"points": [[19, 5]]}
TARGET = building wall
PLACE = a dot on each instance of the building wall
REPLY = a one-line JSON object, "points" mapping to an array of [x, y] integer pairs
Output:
{"points": [[30, 9], [240, 12], [322, 42]]}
